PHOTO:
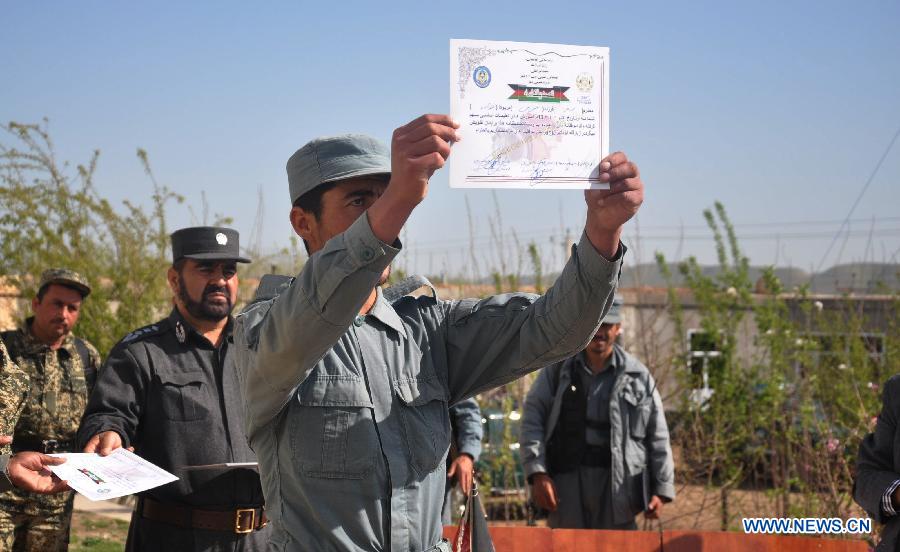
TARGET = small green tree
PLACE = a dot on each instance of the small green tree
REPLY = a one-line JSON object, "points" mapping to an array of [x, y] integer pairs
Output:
{"points": [[534, 254], [787, 412], [52, 216]]}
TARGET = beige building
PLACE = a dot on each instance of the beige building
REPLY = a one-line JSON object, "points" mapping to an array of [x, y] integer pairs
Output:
{"points": [[12, 305]]}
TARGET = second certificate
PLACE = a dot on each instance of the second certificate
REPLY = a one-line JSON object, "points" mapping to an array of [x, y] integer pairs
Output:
{"points": [[531, 115]]}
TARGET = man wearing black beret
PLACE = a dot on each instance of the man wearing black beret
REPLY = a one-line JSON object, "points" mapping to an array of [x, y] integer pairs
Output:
{"points": [[170, 391]]}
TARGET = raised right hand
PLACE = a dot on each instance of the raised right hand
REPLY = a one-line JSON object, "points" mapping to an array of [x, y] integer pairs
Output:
{"points": [[417, 150], [544, 492], [104, 443]]}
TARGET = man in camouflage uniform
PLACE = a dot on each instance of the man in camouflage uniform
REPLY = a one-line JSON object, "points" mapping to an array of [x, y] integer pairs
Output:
{"points": [[56, 363], [27, 469]]}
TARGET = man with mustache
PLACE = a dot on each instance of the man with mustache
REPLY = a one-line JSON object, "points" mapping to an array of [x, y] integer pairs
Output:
{"points": [[59, 368], [169, 390], [594, 439]]}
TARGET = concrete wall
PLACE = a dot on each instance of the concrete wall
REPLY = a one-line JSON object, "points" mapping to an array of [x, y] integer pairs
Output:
{"points": [[12, 306]]}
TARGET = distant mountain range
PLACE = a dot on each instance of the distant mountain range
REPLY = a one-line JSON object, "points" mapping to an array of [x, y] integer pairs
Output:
{"points": [[843, 278]]}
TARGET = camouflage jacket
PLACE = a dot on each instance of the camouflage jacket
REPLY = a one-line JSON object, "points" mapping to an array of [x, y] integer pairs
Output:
{"points": [[58, 391], [53, 407], [13, 390]]}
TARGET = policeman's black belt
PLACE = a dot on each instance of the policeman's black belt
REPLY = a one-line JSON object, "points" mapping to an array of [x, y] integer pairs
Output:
{"points": [[239, 521]]}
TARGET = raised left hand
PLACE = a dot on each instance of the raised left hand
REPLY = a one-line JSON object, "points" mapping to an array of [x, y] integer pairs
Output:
{"points": [[609, 210]]}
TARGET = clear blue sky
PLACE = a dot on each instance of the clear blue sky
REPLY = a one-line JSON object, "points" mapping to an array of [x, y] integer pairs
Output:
{"points": [[778, 109]]}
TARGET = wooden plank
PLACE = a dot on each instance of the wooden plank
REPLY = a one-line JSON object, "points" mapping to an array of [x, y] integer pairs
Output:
{"points": [[578, 540], [514, 538]]}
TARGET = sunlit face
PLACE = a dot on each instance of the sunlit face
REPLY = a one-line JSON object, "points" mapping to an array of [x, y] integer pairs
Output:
{"points": [[207, 290], [57, 312], [341, 206], [602, 343]]}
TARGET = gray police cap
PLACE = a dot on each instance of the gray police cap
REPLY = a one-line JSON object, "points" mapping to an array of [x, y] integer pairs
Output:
{"points": [[614, 316], [336, 158]]}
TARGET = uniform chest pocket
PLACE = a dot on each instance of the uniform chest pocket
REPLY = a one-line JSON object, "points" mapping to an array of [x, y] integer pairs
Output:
{"points": [[638, 415], [36, 384], [332, 431], [78, 386], [184, 396], [426, 422]]}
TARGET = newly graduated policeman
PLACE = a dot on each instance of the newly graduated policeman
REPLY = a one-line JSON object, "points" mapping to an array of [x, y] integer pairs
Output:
{"points": [[347, 394], [170, 391]]}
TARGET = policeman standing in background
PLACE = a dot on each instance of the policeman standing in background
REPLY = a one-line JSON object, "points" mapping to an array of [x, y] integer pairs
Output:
{"points": [[170, 391], [594, 441], [56, 363]]}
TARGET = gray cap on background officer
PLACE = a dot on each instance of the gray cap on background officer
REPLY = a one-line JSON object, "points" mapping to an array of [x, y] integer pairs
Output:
{"points": [[614, 316], [207, 243]]}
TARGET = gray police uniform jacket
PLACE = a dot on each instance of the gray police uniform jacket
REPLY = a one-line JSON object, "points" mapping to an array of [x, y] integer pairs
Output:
{"points": [[174, 397], [465, 420], [349, 414], [642, 463]]}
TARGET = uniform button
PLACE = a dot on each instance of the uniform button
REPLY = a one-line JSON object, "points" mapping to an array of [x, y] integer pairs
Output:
{"points": [[359, 320], [367, 254]]}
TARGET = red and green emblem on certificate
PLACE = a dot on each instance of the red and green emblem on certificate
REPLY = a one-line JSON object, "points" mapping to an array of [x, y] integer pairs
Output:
{"points": [[525, 93]]}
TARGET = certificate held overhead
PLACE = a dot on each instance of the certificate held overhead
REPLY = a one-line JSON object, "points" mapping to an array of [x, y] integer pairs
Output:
{"points": [[533, 115]]}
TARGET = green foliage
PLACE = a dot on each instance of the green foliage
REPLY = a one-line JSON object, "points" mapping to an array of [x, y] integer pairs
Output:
{"points": [[497, 278], [500, 472], [52, 217], [534, 254], [93, 533], [97, 544], [788, 409]]}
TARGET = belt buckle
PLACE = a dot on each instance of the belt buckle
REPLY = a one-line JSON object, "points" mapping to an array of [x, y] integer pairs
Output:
{"points": [[50, 445], [239, 515]]}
